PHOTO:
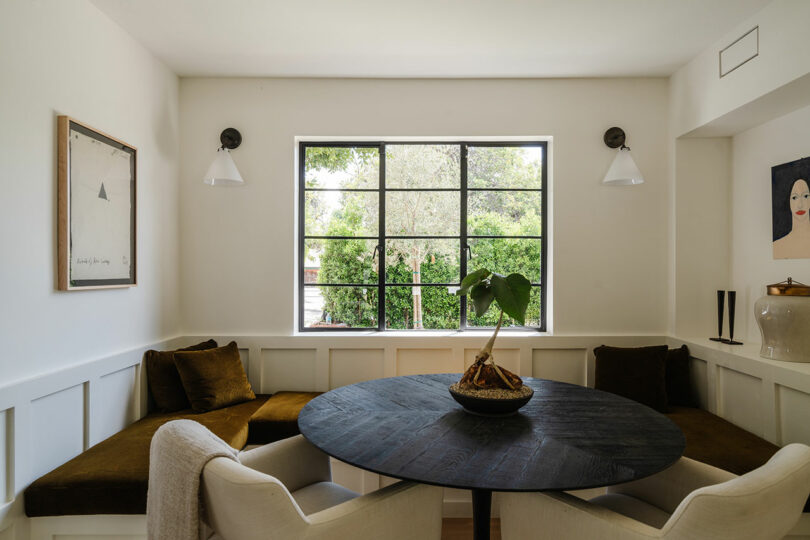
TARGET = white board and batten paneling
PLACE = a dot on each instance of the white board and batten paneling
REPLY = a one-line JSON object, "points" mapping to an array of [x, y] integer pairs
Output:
{"points": [[47, 420], [769, 398], [57, 417], [5, 480], [320, 362], [350, 366]]}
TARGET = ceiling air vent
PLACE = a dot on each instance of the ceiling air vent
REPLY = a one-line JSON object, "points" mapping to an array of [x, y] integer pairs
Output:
{"points": [[743, 49]]}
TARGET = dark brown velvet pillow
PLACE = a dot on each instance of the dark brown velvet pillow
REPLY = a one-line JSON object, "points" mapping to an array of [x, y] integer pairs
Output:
{"points": [[164, 381], [214, 378], [635, 373], [679, 387]]}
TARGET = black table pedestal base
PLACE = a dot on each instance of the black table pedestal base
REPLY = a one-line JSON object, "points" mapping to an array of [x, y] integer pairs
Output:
{"points": [[482, 503]]}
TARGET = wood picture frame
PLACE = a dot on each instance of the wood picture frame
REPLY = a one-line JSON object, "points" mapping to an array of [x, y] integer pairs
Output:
{"points": [[96, 208]]}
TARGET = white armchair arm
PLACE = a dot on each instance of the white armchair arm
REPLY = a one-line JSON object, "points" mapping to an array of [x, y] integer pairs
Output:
{"points": [[668, 488], [295, 462], [554, 515], [402, 511]]}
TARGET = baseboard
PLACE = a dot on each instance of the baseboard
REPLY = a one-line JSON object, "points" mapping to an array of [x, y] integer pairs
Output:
{"points": [[109, 527]]}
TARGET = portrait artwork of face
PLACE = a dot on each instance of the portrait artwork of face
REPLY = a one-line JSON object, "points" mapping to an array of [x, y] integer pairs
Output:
{"points": [[800, 200], [791, 210]]}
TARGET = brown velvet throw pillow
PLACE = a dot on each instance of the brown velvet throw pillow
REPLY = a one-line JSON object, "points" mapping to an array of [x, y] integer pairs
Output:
{"points": [[634, 373], [214, 378], [679, 388], [164, 380]]}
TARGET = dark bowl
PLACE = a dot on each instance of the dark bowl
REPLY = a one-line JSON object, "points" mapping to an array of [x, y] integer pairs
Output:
{"points": [[490, 406]]}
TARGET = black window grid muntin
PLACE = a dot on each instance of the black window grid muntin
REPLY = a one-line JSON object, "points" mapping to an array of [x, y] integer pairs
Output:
{"points": [[464, 248]]}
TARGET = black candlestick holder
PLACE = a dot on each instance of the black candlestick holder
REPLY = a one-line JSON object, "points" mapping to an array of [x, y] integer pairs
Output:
{"points": [[732, 305], [721, 297]]}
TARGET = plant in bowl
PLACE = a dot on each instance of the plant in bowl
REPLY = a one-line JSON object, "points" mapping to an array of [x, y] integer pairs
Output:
{"points": [[485, 387]]}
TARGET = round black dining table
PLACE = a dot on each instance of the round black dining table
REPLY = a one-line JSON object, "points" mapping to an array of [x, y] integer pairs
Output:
{"points": [[567, 437]]}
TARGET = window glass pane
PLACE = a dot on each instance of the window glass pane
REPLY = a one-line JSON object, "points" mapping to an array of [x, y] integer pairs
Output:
{"points": [[504, 213], [417, 213], [505, 167], [340, 307], [490, 318], [338, 167], [435, 307], [435, 260], [422, 166], [340, 261], [335, 213], [506, 256]]}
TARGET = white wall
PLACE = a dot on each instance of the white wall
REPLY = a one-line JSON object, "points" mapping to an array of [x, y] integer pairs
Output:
{"points": [[760, 87], [702, 207], [726, 134], [66, 57], [610, 244], [752, 264]]}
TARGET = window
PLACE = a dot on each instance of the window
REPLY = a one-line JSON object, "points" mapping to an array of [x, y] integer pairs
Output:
{"points": [[388, 229]]}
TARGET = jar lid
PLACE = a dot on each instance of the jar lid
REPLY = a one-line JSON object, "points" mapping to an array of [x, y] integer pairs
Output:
{"points": [[789, 288]]}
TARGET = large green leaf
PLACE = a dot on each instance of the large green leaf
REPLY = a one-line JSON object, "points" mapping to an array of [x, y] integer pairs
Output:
{"points": [[512, 294], [481, 296], [471, 280]]}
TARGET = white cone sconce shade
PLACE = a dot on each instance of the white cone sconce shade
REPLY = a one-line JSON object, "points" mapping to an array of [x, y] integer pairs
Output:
{"points": [[623, 171], [223, 170]]}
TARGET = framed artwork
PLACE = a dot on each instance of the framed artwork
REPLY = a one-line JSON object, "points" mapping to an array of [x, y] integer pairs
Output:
{"points": [[790, 200], [97, 176]]}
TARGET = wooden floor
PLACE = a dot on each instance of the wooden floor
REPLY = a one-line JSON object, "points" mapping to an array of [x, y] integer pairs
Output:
{"points": [[462, 529]]}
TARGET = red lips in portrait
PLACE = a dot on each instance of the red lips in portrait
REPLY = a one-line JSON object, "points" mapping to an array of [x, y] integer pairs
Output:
{"points": [[801, 212]]}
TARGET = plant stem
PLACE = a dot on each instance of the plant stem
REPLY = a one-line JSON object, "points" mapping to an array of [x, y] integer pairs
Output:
{"points": [[486, 351]]}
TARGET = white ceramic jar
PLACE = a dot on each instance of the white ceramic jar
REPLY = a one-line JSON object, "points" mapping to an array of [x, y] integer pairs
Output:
{"points": [[784, 321]]}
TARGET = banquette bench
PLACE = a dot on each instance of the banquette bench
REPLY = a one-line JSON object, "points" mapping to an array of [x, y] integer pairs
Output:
{"points": [[660, 378], [111, 477]]}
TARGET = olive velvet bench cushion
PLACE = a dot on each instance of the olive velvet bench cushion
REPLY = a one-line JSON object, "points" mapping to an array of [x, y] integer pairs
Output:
{"points": [[111, 477]]}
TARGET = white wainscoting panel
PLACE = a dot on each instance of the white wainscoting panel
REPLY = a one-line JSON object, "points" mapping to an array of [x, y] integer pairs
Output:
{"points": [[457, 503], [349, 366], [422, 361], [60, 418], [508, 358], [794, 414], [118, 397], [6, 491], [741, 400], [700, 381], [565, 365], [47, 420], [288, 369], [244, 356]]}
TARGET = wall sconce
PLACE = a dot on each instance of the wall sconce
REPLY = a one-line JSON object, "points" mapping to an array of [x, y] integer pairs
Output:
{"points": [[623, 171], [223, 170]]}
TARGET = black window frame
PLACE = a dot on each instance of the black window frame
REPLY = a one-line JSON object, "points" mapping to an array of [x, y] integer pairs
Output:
{"points": [[381, 237]]}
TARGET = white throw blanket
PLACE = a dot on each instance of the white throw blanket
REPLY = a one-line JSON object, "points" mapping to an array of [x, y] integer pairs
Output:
{"points": [[179, 451]]}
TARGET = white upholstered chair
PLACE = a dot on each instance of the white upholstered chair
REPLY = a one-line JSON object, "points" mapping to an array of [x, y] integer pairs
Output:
{"points": [[284, 491], [689, 500]]}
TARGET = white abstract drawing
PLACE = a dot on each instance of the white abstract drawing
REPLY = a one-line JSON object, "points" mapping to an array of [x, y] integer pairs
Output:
{"points": [[97, 209], [101, 182]]}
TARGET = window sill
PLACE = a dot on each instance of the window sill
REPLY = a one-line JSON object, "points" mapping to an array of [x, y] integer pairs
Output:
{"points": [[424, 334]]}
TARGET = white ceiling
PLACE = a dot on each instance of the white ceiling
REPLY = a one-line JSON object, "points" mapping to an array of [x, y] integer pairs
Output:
{"points": [[427, 38]]}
